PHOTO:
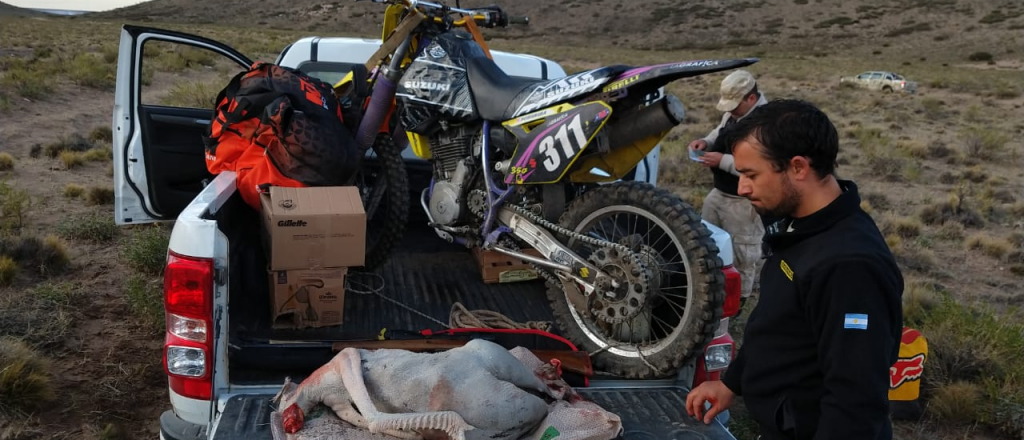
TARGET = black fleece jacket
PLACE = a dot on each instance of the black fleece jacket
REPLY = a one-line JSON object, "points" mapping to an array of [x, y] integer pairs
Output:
{"points": [[812, 365]]}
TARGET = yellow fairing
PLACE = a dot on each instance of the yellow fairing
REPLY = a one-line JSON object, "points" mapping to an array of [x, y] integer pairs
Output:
{"points": [[530, 120], [617, 162], [419, 144], [392, 16], [523, 125], [341, 85]]}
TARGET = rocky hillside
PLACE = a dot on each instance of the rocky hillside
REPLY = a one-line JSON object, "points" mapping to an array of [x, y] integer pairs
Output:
{"points": [[940, 28], [7, 10]]}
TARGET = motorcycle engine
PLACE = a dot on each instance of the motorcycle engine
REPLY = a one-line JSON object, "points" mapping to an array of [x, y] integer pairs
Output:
{"points": [[452, 155]]}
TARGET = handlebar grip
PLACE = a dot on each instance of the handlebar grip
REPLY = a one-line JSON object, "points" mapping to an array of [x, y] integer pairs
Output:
{"points": [[521, 19]]}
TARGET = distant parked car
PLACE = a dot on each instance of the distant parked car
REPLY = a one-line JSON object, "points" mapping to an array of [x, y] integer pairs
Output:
{"points": [[884, 81]]}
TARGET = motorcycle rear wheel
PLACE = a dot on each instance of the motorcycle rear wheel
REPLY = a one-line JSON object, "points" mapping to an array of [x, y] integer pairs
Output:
{"points": [[686, 289]]}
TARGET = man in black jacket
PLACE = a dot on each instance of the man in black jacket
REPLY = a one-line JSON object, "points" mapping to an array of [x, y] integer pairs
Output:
{"points": [[816, 353]]}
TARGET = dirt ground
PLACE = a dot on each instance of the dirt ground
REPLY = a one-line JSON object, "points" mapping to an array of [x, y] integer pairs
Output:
{"points": [[107, 367]]}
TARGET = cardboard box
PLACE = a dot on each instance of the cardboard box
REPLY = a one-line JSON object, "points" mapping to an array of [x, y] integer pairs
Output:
{"points": [[496, 267], [313, 228], [307, 297]]}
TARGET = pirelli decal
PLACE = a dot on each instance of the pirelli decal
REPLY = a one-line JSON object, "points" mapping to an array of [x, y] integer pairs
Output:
{"points": [[621, 83], [786, 270]]}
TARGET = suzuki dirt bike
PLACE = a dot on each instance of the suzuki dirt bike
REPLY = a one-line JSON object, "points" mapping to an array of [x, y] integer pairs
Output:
{"points": [[633, 276]]}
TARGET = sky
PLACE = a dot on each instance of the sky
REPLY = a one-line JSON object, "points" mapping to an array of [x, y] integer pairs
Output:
{"points": [[76, 5]]}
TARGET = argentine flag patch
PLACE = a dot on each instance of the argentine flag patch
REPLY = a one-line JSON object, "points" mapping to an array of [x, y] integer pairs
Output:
{"points": [[856, 320]]}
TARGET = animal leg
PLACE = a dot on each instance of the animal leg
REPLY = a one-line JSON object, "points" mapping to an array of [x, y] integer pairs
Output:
{"points": [[342, 406], [352, 375]]}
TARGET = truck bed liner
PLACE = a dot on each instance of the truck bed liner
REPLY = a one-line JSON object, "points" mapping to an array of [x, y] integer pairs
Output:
{"points": [[647, 413]]}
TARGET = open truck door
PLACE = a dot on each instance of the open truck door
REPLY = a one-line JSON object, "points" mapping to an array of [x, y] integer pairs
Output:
{"points": [[159, 164]]}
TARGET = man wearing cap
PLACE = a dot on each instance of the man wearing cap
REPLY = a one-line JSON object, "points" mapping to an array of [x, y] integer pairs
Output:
{"points": [[723, 207]]}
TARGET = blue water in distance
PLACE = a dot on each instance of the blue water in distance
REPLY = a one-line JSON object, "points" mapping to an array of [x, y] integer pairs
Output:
{"points": [[59, 11]]}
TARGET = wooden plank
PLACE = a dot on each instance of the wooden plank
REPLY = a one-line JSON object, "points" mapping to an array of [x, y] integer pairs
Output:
{"points": [[572, 361], [404, 28]]}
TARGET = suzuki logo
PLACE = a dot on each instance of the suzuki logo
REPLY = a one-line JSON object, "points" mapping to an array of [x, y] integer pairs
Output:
{"points": [[906, 370]]}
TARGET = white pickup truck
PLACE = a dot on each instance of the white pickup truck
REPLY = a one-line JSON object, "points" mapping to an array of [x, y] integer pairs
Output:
{"points": [[222, 358]]}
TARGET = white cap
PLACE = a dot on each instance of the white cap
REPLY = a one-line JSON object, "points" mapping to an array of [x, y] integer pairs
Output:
{"points": [[734, 87]]}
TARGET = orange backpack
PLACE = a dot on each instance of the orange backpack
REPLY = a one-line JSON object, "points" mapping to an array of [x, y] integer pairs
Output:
{"points": [[276, 126]]}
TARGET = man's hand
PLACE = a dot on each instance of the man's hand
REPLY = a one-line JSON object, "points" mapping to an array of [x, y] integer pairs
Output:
{"points": [[698, 144], [711, 159], [713, 391]]}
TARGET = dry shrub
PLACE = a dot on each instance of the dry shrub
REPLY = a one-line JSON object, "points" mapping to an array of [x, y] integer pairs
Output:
{"points": [[983, 142], [989, 245], [102, 154], [866, 207], [976, 359], [54, 257], [919, 299], [953, 210], [47, 256], [956, 402], [938, 150], [95, 228], [6, 162], [145, 297], [1017, 209], [1017, 269], [878, 200], [73, 191], [25, 377], [904, 227], [911, 256], [8, 271], [913, 149], [146, 250], [99, 196], [71, 159], [101, 133], [74, 142], [14, 206], [951, 231], [975, 174]]}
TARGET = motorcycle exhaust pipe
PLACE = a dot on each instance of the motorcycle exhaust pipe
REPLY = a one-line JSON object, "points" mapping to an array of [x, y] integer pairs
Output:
{"points": [[655, 118]]}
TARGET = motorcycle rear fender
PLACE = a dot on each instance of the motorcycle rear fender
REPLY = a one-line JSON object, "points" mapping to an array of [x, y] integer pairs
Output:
{"points": [[550, 140], [615, 163], [661, 74]]}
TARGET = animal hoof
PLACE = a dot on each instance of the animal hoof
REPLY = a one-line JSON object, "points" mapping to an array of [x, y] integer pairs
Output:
{"points": [[293, 419]]}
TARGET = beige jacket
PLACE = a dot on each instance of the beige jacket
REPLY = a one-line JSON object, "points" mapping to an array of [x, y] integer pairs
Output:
{"points": [[727, 164]]}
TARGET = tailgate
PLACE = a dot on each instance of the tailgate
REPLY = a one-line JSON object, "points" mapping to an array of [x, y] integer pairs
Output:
{"points": [[647, 414]]}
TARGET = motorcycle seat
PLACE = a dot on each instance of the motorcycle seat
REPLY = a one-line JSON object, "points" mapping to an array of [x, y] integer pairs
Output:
{"points": [[499, 97], [494, 91]]}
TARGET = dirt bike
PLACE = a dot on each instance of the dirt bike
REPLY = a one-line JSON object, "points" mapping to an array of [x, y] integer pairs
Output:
{"points": [[633, 276]]}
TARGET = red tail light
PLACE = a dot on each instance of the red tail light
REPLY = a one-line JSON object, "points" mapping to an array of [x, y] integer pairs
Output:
{"points": [[188, 307], [733, 291]]}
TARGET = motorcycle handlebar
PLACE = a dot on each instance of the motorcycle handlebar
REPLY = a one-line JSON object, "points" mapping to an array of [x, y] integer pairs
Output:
{"points": [[490, 16]]}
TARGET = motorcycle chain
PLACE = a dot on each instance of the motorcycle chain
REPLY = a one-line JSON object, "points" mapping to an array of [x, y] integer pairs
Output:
{"points": [[544, 272]]}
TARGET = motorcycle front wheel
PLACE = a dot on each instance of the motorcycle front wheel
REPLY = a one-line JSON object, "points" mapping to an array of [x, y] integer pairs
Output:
{"points": [[671, 283]]}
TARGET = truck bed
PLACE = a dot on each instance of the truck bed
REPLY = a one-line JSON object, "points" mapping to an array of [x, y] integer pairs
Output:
{"points": [[425, 273], [428, 275], [648, 413]]}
